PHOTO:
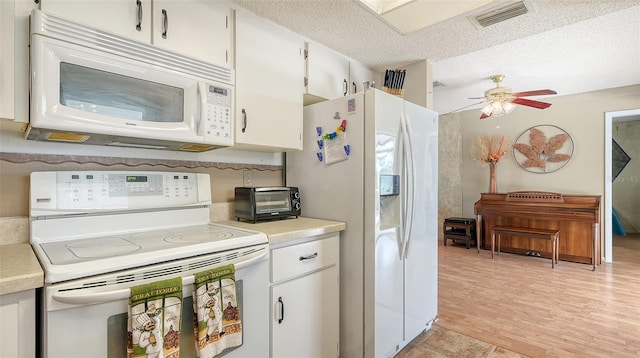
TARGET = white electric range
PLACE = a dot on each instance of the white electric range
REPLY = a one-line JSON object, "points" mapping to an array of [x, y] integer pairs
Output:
{"points": [[99, 233]]}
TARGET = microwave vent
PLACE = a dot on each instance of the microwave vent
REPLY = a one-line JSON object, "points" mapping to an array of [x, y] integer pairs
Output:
{"points": [[45, 135], [53, 26], [67, 137], [493, 15]]}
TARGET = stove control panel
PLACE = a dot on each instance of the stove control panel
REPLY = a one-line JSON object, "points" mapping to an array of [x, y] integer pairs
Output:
{"points": [[88, 191]]}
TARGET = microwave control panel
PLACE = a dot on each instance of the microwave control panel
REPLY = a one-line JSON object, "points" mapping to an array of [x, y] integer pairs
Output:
{"points": [[218, 114]]}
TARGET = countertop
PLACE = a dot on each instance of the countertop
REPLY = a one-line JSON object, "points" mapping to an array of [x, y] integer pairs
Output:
{"points": [[19, 268], [279, 231]]}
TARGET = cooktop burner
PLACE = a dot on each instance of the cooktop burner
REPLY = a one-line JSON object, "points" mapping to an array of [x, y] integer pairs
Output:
{"points": [[203, 236], [104, 247]]}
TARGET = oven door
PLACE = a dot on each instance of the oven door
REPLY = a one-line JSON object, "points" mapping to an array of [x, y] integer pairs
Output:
{"points": [[88, 317]]}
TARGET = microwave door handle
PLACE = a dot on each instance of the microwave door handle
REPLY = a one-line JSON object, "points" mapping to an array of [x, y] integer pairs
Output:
{"points": [[202, 88], [79, 298]]}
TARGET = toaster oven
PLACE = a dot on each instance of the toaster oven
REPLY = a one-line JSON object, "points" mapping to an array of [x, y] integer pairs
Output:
{"points": [[266, 203]]}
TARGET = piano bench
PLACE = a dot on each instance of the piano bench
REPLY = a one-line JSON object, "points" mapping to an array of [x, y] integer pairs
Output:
{"points": [[545, 234]]}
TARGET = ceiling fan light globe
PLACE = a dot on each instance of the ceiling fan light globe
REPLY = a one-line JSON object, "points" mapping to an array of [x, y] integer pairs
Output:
{"points": [[508, 107], [487, 109], [498, 113]]}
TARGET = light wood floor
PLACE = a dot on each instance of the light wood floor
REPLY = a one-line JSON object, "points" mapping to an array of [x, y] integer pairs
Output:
{"points": [[520, 303]]}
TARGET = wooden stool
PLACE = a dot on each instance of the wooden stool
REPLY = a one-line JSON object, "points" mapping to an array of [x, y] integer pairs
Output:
{"points": [[545, 234], [459, 229]]}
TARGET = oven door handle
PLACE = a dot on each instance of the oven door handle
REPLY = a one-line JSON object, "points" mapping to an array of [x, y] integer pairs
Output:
{"points": [[83, 298]]}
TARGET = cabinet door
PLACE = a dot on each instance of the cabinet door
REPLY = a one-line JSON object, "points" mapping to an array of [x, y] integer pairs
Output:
{"points": [[127, 18], [7, 12], [18, 324], [14, 59], [195, 28], [327, 72], [359, 73], [308, 308], [269, 86]]}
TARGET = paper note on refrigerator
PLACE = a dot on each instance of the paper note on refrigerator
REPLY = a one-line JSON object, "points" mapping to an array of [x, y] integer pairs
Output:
{"points": [[334, 149]]}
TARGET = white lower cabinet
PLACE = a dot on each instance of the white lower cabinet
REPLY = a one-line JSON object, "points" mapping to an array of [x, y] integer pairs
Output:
{"points": [[305, 320], [18, 324]]}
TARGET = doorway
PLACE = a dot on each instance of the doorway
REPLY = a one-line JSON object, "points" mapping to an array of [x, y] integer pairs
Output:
{"points": [[610, 119]]}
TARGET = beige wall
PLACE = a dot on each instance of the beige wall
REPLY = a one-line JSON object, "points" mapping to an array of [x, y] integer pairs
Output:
{"points": [[581, 115], [15, 170], [449, 167], [461, 180], [626, 188]]}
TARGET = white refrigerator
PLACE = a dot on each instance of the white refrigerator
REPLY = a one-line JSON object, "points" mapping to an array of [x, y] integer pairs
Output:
{"points": [[371, 160]]}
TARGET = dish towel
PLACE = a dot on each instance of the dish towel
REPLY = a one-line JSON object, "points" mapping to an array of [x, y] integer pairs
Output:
{"points": [[217, 323], [154, 320]]}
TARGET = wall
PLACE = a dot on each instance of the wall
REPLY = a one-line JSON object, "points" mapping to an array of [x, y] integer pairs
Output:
{"points": [[418, 83], [19, 157], [626, 187], [581, 115], [449, 167]]}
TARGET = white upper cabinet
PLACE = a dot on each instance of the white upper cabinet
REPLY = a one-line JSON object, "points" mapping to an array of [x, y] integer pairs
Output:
{"points": [[195, 28], [327, 73], [130, 18], [269, 85], [358, 74], [330, 74], [14, 59], [199, 29]]}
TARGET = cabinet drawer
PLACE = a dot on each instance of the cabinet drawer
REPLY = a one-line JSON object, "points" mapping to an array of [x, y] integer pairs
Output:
{"points": [[299, 259]]}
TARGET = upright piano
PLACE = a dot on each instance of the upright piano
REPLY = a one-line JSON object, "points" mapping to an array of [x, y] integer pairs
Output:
{"points": [[577, 217]]}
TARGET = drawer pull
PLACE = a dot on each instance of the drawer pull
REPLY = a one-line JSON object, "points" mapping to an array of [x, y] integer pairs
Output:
{"points": [[281, 310], [309, 257]]}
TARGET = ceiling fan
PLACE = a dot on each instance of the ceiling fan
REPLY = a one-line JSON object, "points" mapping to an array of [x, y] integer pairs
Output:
{"points": [[501, 101]]}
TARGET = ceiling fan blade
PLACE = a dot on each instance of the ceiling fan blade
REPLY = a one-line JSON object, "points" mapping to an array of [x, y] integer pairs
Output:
{"points": [[534, 93], [459, 109], [484, 116], [476, 98], [531, 103]]}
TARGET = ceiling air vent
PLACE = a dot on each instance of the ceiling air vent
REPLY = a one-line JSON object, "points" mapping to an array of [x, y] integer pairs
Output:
{"points": [[495, 15]]}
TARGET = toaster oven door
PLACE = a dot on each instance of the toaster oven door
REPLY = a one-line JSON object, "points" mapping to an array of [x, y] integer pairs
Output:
{"points": [[272, 202]]}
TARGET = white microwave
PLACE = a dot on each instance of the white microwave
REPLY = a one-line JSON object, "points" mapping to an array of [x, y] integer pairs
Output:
{"points": [[93, 87]]}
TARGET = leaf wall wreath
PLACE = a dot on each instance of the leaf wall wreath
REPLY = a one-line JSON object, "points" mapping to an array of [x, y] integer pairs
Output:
{"points": [[543, 149]]}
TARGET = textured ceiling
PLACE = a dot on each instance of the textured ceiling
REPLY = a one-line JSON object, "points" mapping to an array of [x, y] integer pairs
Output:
{"points": [[570, 46]]}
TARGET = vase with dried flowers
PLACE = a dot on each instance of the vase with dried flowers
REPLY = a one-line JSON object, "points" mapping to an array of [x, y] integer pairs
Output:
{"points": [[489, 150]]}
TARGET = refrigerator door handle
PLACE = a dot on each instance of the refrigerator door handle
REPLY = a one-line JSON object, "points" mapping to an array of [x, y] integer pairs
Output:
{"points": [[410, 190]]}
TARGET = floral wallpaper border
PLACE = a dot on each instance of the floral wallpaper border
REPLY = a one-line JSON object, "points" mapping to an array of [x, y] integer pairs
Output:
{"points": [[132, 162]]}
